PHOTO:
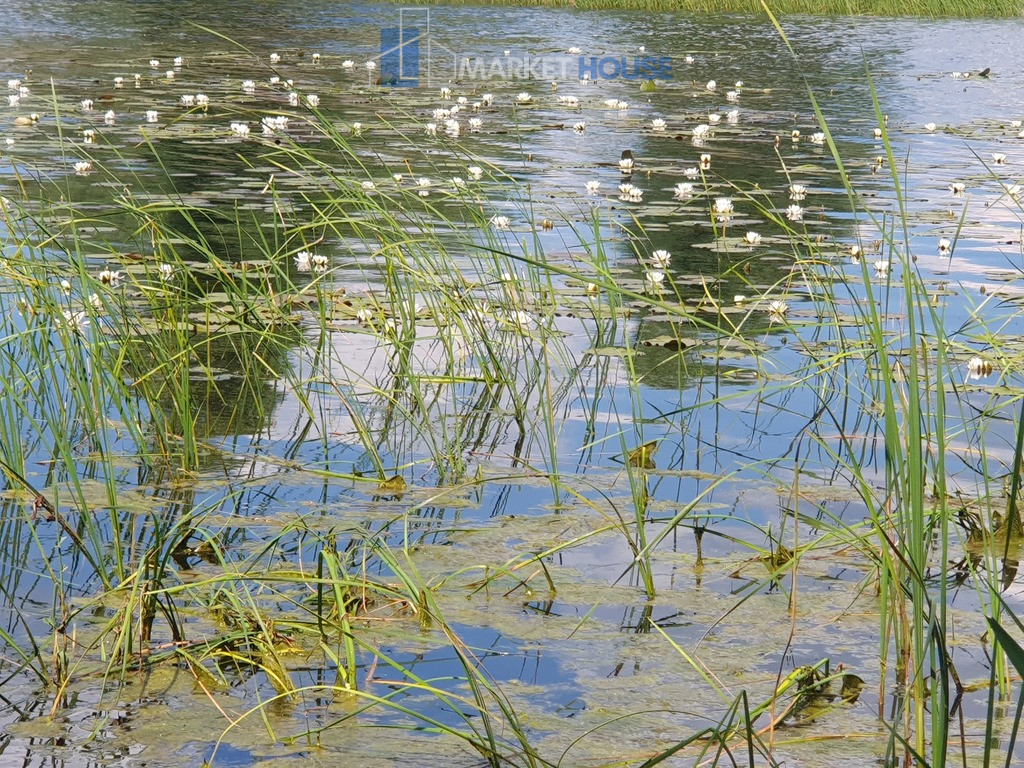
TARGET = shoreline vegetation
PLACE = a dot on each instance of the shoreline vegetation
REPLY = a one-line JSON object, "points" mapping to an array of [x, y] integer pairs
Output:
{"points": [[927, 9]]}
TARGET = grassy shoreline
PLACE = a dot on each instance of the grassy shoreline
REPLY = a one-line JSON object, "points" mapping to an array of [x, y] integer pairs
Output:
{"points": [[983, 9]]}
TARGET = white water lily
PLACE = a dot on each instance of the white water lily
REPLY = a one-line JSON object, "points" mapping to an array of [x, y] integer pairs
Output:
{"points": [[855, 253], [475, 172], [303, 261], [316, 58], [152, 115], [202, 100], [446, 93], [248, 86], [319, 262], [371, 65], [979, 368], [593, 187], [714, 118], [188, 100], [487, 99], [629, 193], [119, 82], [110, 277], [275, 58], [689, 59], [732, 95], [654, 276], [453, 128], [957, 188], [705, 162], [794, 135], [998, 158], [458, 182], [795, 213], [882, 267], [313, 100], [683, 190], [86, 104], [930, 127], [701, 131], [179, 61], [657, 124], [723, 208], [711, 85], [65, 285], [83, 167], [431, 129], [797, 191], [626, 164], [475, 124], [166, 272], [154, 63], [348, 64], [569, 101], [14, 84], [739, 298], [364, 316], [778, 308], [501, 222], [732, 116], [76, 322], [89, 136], [240, 129], [579, 127], [357, 129], [523, 98], [945, 246], [691, 173], [818, 137], [368, 186], [752, 238], [574, 50], [661, 259], [169, 74]]}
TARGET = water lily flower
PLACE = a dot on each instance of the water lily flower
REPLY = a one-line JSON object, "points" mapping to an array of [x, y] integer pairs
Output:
{"points": [[179, 61], [752, 238], [188, 100], [348, 64], [166, 272], [855, 253], [119, 82], [738, 83], [109, 117], [89, 136], [368, 186], [475, 123], [732, 116], [795, 213], [700, 131], [458, 182], [732, 95], [574, 50], [683, 190], [316, 58], [579, 127], [357, 129], [487, 99], [930, 127], [714, 118], [364, 316], [275, 58], [998, 158], [248, 86], [689, 59], [475, 172], [661, 259], [628, 193], [877, 133], [169, 74], [431, 129], [723, 208], [945, 246], [818, 137], [76, 322], [371, 65], [957, 188], [83, 167], [154, 63], [453, 128], [979, 368], [446, 92], [240, 129], [705, 162], [313, 100], [797, 191], [593, 187], [626, 164], [711, 85], [739, 298], [778, 308], [202, 100], [303, 261], [65, 285], [523, 98], [794, 135], [882, 267], [654, 276], [86, 104], [593, 289], [96, 301], [657, 124], [569, 101], [691, 173], [424, 185], [110, 277], [319, 262], [501, 222], [14, 84], [397, 177]]}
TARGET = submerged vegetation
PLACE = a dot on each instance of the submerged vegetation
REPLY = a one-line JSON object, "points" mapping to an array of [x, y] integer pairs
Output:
{"points": [[322, 427]]}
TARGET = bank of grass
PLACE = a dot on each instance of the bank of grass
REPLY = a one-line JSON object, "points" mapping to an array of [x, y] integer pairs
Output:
{"points": [[953, 9]]}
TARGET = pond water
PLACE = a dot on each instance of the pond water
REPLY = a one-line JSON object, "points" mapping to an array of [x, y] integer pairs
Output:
{"points": [[515, 416]]}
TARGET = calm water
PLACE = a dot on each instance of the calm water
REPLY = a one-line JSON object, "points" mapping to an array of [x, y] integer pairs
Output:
{"points": [[582, 658]]}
